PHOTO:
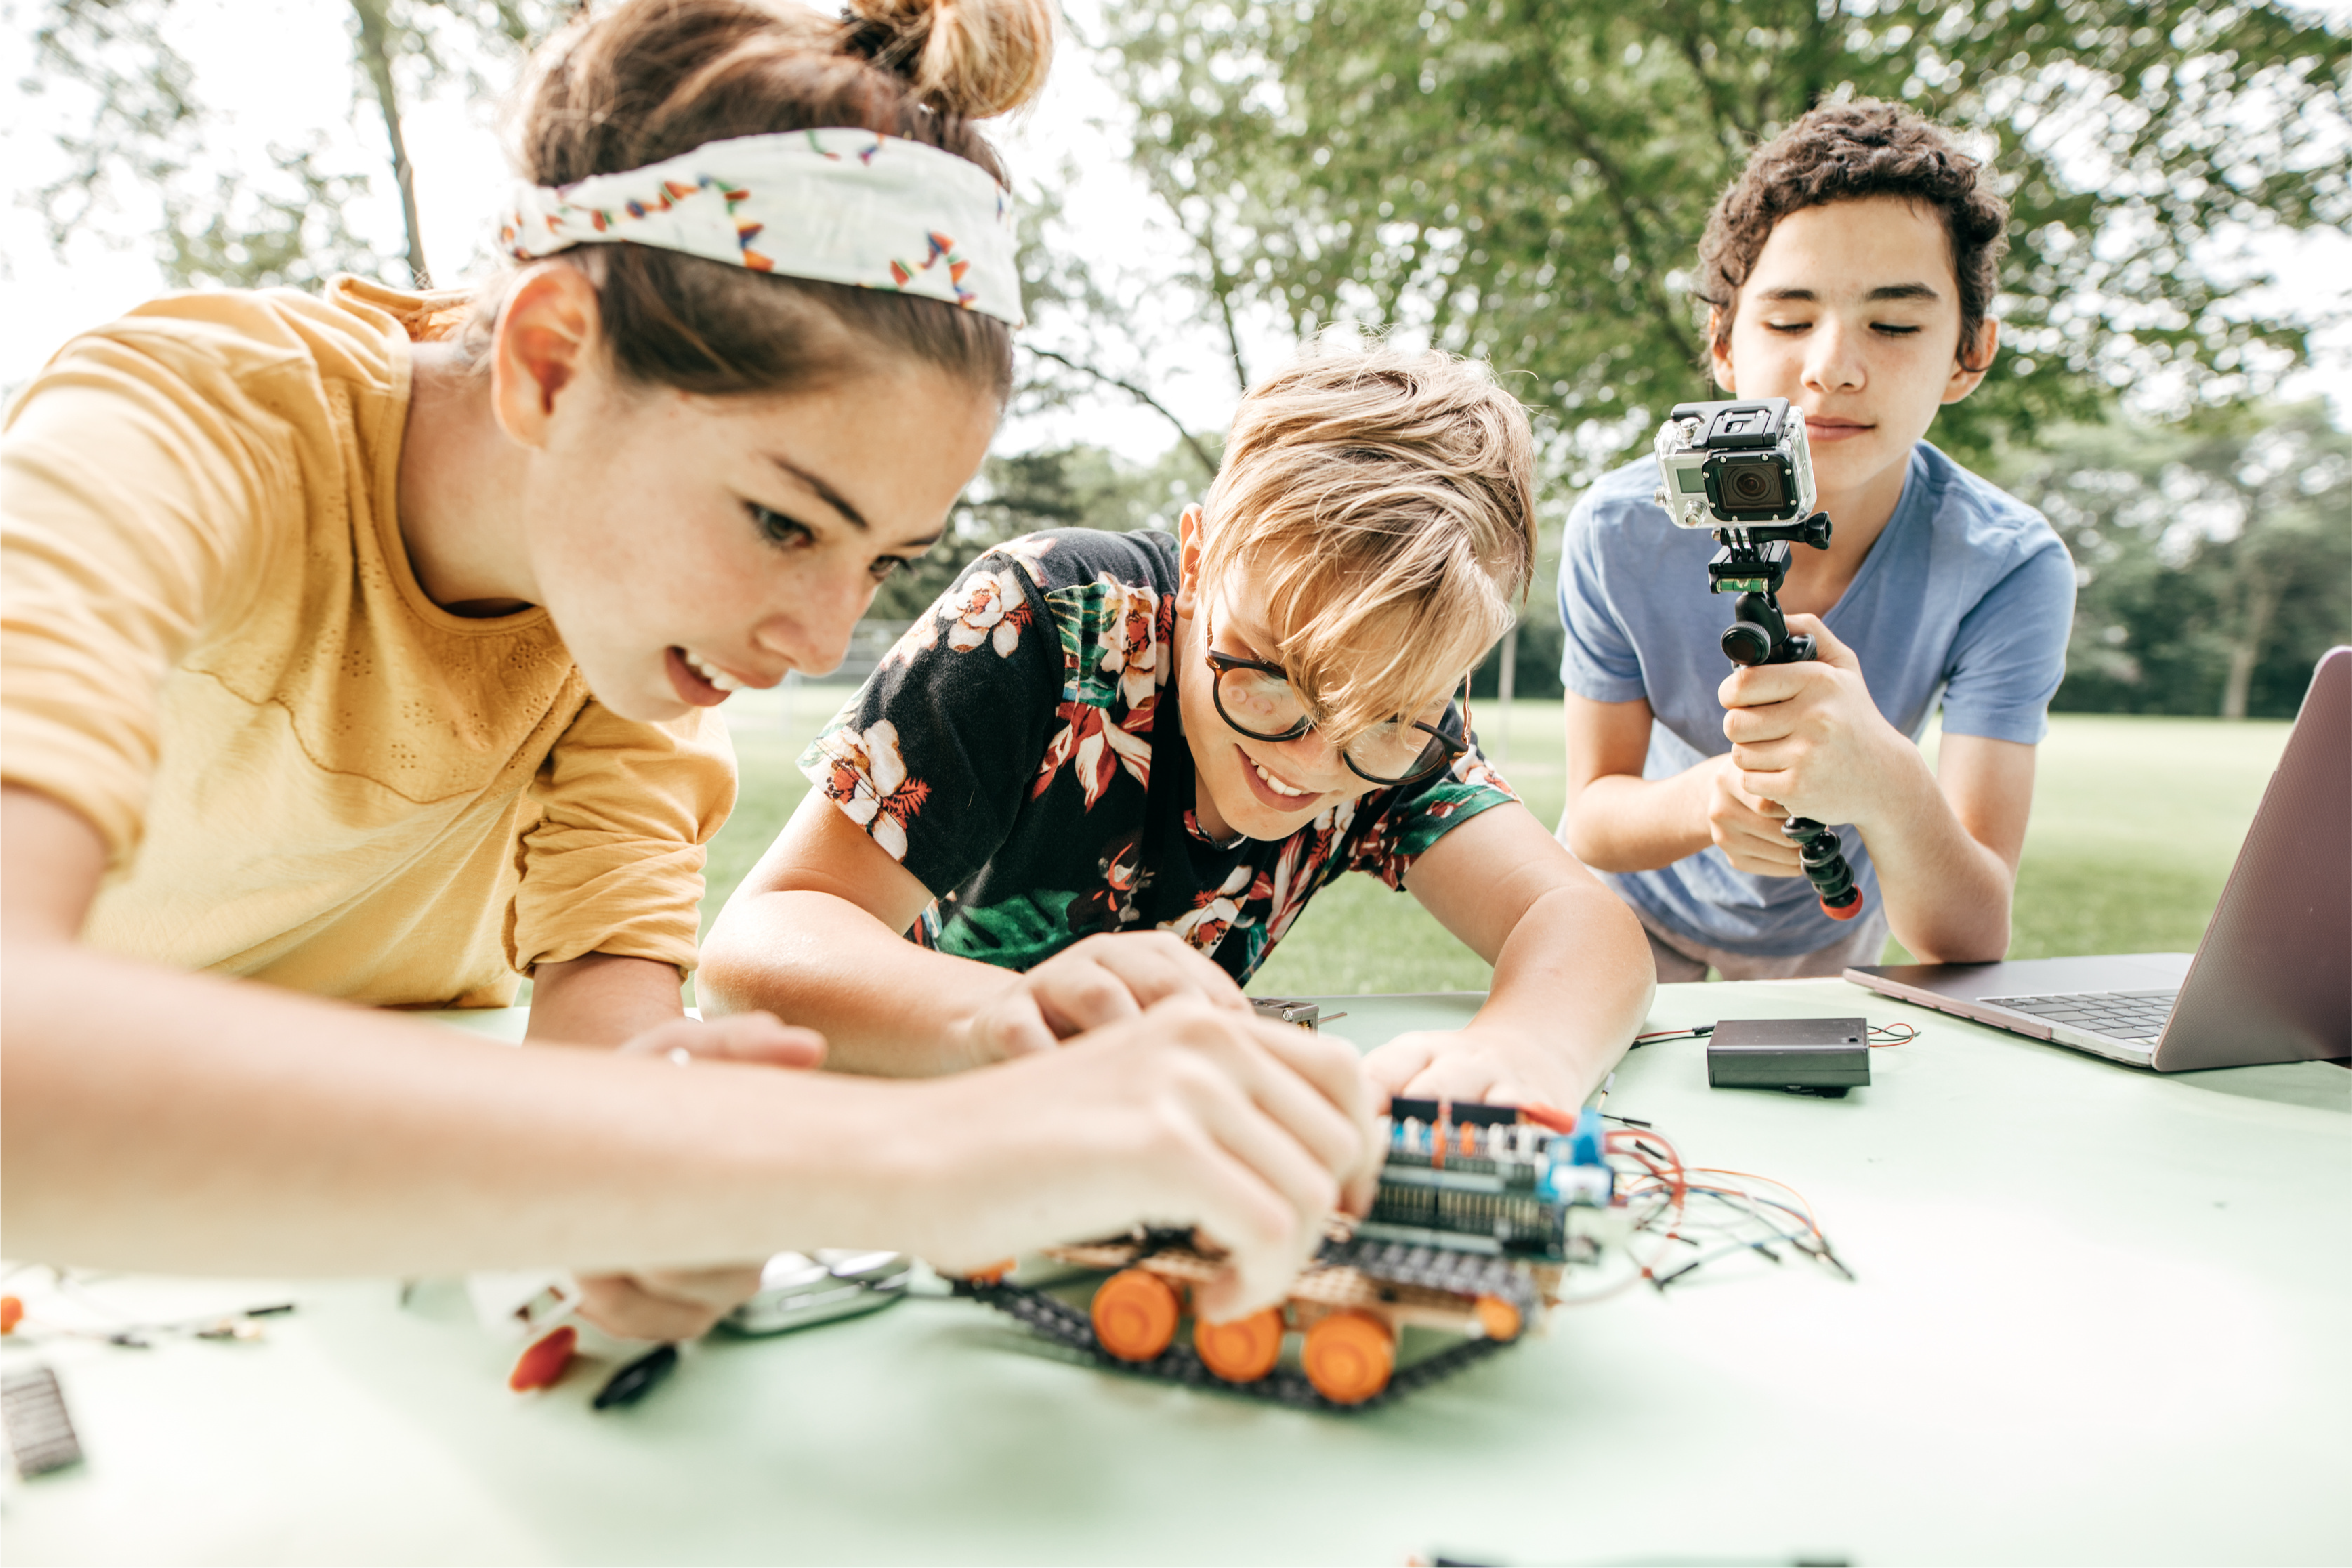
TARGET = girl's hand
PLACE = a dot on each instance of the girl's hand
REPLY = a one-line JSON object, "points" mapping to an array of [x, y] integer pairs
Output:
{"points": [[1103, 980], [665, 1303], [1188, 1114], [687, 1304], [1489, 1064]]}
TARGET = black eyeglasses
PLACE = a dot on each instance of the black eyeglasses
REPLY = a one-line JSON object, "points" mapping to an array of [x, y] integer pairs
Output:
{"points": [[1257, 700]]}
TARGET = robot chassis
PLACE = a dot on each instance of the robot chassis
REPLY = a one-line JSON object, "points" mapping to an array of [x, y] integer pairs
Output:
{"points": [[1470, 1234]]}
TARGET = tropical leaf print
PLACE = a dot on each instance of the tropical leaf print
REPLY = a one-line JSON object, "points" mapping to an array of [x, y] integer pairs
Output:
{"points": [[1091, 745], [867, 779], [1127, 627], [991, 609], [1206, 927], [1020, 933]]}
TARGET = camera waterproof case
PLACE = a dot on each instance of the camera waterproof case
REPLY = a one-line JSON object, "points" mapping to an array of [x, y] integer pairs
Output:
{"points": [[1729, 465]]}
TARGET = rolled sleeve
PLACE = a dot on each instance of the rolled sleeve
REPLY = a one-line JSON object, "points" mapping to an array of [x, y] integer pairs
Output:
{"points": [[614, 863], [1402, 827]]}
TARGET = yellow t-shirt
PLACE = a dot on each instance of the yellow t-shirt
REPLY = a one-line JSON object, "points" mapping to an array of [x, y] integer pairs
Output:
{"points": [[213, 647]]}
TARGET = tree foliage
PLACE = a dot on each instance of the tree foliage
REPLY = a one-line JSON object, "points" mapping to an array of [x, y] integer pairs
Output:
{"points": [[1528, 179], [1070, 487], [2216, 558], [144, 133]]}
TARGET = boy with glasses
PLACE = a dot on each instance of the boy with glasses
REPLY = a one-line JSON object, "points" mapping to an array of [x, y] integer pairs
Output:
{"points": [[1107, 769]]}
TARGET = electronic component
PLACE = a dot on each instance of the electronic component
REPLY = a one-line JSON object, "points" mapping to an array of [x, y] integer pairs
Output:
{"points": [[1307, 1016], [1470, 1234], [545, 1362], [1823, 1057], [798, 1289], [40, 1433]]}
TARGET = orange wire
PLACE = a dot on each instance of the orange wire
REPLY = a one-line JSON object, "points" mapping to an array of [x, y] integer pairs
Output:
{"points": [[1810, 1223]]}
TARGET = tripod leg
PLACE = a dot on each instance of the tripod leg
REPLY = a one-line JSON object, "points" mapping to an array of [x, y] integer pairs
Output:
{"points": [[1822, 855]]}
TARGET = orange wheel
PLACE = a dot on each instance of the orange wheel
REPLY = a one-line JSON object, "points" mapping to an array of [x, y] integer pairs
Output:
{"points": [[1349, 1356], [1244, 1350], [1499, 1318], [1135, 1314]]}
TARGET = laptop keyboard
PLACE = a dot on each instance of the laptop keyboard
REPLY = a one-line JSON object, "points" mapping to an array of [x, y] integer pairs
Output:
{"points": [[2135, 1016]]}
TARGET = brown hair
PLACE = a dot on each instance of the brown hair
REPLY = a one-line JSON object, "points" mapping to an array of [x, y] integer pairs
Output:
{"points": [[648, 79], [1846, 152], [1384, 502]]}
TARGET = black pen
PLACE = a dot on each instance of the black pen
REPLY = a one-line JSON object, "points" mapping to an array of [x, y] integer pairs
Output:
{"points": [[637, 1380]]}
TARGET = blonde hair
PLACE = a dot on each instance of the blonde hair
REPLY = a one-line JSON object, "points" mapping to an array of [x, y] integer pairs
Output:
{"points": [[1384, 503]]}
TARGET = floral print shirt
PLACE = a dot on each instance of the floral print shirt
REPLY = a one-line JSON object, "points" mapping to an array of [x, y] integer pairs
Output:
{"points": [[1021, 750]]}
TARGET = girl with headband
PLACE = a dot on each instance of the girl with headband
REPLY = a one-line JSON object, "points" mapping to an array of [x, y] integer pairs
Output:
{"points": [[364, 648]]}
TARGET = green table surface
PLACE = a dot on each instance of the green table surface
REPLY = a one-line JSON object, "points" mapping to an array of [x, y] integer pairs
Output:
{"points": [[2101, 1316]]}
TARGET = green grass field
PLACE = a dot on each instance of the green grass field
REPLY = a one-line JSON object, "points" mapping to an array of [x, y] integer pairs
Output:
{"points": [[2136, 823]]}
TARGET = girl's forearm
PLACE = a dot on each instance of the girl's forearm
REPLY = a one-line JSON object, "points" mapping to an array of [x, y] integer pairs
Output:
{"points": [[601, 999], [162, 1121], [884, 1005]]}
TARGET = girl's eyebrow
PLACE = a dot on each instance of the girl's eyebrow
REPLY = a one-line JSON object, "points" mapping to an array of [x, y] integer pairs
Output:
{"points": [[826, 493]]}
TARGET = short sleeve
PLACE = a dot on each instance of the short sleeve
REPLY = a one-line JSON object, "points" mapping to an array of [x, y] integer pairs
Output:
{"points": [[936, 754], [1598, 661], [128, 514], [1396, 827], [2010, 652], [613, 864]]}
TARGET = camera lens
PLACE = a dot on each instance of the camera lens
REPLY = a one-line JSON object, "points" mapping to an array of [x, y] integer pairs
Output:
{"points": [[1757, 485]]}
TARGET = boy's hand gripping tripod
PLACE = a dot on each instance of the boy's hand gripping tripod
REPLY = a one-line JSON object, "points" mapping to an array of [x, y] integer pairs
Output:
{"points": [[1753, 563]]}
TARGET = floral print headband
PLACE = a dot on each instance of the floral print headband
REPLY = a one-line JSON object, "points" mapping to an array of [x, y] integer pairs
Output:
{"points": [[840, 205]]}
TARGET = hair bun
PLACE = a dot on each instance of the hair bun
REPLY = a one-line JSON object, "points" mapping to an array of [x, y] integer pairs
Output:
{"points": [[973, 59]]}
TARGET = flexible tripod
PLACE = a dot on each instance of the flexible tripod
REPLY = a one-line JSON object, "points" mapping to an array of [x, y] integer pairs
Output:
{"points": [[1753, 563]]}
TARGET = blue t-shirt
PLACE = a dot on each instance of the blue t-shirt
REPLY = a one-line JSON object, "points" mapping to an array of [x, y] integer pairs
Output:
{"points": [[1966, 598]]}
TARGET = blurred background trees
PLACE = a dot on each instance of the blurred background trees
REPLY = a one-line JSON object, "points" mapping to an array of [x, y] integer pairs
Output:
{"points": [[1524, 180]]}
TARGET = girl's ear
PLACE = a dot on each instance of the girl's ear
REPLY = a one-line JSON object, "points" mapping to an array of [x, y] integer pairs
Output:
{"points": [[547, 337], [1188, 560], [1718, 350]]}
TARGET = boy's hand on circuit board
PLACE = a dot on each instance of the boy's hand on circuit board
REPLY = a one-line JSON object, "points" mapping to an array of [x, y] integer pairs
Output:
{"points": [[1491, 1065], [1808, 736], [1102, 980], [1187, 1115]]}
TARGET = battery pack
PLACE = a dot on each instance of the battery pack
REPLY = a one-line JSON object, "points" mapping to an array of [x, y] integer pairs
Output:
{"points": [[1803, 1056]]}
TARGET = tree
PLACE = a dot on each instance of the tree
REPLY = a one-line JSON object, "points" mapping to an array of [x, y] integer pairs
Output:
{"points": [[2215, 557], [1528, 179], [149, 135], [1070, 487]]}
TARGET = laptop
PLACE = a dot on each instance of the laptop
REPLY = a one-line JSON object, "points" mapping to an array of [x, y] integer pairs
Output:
{"points": [[2271, 982]]}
